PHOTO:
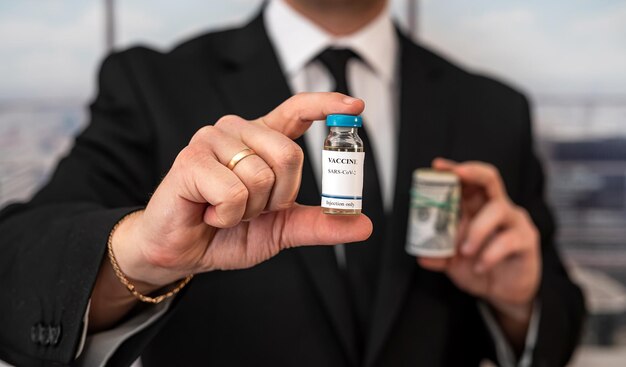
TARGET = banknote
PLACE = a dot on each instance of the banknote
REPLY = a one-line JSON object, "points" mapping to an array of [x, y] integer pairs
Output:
{"points": [[433, 213]]}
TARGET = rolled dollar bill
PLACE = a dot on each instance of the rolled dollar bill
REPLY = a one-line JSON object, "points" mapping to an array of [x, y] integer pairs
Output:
{"points": [[433, 213]]}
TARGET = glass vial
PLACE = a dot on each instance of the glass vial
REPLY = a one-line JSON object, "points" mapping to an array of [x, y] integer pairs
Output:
{"points": [[342, 166]]}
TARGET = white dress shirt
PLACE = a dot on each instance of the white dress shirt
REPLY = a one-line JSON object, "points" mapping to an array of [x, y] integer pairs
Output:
{"points": [[297, 42]]}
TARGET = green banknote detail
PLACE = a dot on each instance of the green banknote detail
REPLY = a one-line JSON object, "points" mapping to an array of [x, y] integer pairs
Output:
{"points": [[421, 201]]}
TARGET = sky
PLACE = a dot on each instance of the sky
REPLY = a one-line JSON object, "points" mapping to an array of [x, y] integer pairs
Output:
{"points": [[547, 47], [51, 49]]}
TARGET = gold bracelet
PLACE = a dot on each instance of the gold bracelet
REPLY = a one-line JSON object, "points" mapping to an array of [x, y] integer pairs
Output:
{"points": [[130, 286]]}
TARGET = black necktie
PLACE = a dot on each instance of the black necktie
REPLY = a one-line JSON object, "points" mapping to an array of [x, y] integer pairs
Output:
{"points": [[362, 258]]}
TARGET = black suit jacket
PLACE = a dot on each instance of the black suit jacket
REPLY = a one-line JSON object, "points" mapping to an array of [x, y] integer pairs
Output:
{"points": [[292, 309]]}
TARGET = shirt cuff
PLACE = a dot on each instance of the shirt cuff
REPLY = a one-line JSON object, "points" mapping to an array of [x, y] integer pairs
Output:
{"points": [[504, 351], [96, 349]]}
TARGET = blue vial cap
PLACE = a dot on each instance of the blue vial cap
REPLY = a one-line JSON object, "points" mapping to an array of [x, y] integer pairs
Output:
{"points": [[344, 120]]}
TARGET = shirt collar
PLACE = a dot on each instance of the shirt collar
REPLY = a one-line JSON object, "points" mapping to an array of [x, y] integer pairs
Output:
{"points": [[298, 40]]}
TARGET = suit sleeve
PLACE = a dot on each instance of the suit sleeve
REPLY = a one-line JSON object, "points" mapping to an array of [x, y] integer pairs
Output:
{"points": [[51, 247], [562, 305]]}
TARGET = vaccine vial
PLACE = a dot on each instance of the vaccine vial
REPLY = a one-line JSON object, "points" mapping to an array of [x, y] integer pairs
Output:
{"points": [[342, 166]]}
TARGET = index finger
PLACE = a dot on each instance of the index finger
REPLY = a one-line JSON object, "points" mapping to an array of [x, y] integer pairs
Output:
{"points": [[294, 116], [476, 173]]}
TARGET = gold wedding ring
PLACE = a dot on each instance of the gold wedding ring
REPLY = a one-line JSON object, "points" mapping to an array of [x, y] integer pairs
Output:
{"points": [[238, 157]]}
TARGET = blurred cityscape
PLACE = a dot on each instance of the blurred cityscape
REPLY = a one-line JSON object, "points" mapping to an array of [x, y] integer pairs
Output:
{"points": [[33, 136], [584, 146]]}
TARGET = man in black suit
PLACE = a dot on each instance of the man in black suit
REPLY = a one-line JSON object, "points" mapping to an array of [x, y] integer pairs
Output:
{"points": [[175, 198]]}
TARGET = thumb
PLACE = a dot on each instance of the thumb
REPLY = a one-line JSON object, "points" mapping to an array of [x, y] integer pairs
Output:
{"points": [[294, 116], [307, 225], [444, 164]]}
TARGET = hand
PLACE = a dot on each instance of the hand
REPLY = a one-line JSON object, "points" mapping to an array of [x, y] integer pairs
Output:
{"points": [[205, 217], [498, 257]]}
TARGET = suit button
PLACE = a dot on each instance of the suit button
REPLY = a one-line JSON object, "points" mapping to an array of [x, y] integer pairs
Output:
{"points": [[54, 334], [39, 334], [34, 333], [45, 334]]}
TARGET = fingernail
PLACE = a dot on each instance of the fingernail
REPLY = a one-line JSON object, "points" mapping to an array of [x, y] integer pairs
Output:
{"points": [[466, 248], [349, 100], [445, 161]]}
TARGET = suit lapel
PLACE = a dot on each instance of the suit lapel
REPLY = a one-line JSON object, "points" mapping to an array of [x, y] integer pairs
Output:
{"points": [[423, 136], [252, 84], [251, 81]]}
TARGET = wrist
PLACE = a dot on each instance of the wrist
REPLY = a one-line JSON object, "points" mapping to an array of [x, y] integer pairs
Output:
{"points": [[520, 313], [514, 319], [126, 243]]}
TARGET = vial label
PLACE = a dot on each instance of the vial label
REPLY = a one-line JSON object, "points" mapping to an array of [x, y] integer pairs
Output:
{"points": [[342, 179]]}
